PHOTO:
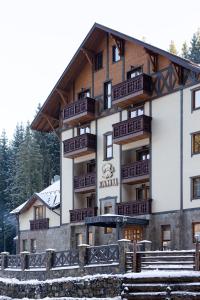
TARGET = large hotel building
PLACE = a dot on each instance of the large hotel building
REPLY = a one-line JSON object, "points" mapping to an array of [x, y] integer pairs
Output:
{"points": [[128, 118]]}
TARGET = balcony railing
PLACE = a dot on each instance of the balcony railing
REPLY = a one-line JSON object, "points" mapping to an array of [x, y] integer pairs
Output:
{"points": [[136, 172], [85, 183], [39, 224], [136, 88], [134, 208], [79, 215], [132, 129], [79, 111], [80, 145]]}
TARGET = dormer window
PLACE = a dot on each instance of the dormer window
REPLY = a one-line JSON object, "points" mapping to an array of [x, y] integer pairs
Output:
{"points": [[115, 54], [39, 212], [134, 72], [83, 94]]}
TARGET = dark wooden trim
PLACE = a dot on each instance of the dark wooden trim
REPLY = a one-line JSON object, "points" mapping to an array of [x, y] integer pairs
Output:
{"points": [[107, 56], [134, 208], [192, 187], [193, 99], [105, 145]]}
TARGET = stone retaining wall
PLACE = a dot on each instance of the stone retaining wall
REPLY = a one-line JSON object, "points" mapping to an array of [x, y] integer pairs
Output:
{"points": [[97, 286]]}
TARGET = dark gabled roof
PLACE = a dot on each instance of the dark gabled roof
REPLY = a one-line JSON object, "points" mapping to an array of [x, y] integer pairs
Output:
{"points": [[51, 106]]}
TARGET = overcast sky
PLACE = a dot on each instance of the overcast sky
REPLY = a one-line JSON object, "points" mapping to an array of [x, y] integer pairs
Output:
{"points": [[39, 37]]}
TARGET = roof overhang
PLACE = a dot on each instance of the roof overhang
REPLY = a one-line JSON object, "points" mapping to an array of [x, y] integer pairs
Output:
{"points": [[114, 221], [47, 118]]}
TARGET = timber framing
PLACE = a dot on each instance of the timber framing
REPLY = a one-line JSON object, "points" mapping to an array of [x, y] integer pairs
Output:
{"points": [[184, 72]]}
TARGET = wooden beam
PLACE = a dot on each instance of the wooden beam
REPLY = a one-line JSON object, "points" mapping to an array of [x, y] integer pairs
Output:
{"points": [[49, 118], [63, 95], [180, 73], [89, 55], [119, 44], [154, 59]]}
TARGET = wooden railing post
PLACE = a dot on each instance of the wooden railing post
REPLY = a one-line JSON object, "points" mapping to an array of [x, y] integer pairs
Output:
{"points": [[136, 259], [197, 256], [24, 260], [4, 260], [123, 248], [49, 258]]}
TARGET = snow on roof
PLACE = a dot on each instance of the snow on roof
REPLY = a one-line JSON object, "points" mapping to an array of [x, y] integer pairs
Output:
{"points": [[49, 196]]}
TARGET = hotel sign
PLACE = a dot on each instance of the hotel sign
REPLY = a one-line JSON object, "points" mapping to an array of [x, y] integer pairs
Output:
{"points": [[107, 175]]}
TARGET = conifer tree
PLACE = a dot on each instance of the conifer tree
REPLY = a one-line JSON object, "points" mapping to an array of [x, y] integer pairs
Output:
{"points": [[185, 50], [194, 54], [172, 48]]}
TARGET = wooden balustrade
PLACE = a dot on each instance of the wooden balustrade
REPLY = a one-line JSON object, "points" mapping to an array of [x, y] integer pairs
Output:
{"points": [[132, 129], [80, 145], [136, 172], [132, 90], [79, 215], [85, 183], [134, 208], [79, 111], [39, 224]]}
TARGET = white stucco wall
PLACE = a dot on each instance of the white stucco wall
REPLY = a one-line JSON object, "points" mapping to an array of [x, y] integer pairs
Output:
{"points": [[166, 153], [24, 218], [66, 182]]}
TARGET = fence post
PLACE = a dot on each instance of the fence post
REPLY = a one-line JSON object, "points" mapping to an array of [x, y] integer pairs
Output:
{"points": [[123, 248], [24, 260], [82, 253], [49, 258], [197, 266], [4, 260], [136, 259]]}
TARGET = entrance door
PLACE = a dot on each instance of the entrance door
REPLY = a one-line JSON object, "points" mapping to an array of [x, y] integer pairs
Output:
{"points": [[133, 233]]}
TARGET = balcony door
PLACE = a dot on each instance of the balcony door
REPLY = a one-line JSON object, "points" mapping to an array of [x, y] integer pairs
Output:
{"points": [[133, 233]]}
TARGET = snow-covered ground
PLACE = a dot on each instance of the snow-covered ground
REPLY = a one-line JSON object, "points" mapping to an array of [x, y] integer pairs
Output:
{"points": [[62, 298]]}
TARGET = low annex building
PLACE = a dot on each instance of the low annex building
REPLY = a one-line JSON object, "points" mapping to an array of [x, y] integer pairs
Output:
{"points": [[39, 220], [127, 115]]}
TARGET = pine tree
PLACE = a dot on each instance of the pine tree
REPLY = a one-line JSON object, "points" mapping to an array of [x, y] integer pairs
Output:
{"points": [[194, 54], [185, 51], [172, 48], [28, 177]]}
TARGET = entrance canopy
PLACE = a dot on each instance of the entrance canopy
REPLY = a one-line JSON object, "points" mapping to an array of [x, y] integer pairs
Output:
{"points": [[114, 221]]}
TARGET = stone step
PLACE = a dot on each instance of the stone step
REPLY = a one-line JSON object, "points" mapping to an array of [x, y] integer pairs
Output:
{"points": [[170, 257], [161, 296], [168, 267], [145, 277], [167, 262], [161, 287]]}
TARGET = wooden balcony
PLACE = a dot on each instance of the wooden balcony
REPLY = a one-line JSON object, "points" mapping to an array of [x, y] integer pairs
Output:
{"points": [[80, 111], [39, 224], [83, 184], [80, 145], [79, 215], [137, 172], [134, 208], [131, 130], [132, 90]]}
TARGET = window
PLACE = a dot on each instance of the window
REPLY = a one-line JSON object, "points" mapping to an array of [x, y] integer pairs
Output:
{"points": [[107, 95], [83, 129], [79, 239], [39, 212], [142, 154], [115, 54], [166, 237], [142, 193], [90, 201], [84, 94], [98, 61], [136, 111], [134, 72], [195, 230], [133, 233], [24, 245], [90, 238], [196, 99], [195, 187], [196, 143], [33, 245], [108, 146], [91, 166]]}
